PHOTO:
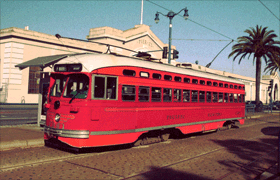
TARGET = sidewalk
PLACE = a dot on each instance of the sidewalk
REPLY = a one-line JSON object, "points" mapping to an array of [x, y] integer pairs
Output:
{"points": [[24, 136], [21, 136]]}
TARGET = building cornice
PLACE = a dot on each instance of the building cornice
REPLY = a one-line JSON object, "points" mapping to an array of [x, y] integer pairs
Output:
{"points": [[38, 37]]}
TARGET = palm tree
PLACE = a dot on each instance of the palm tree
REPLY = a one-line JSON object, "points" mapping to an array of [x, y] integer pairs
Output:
{"points": [[261, 44], [273, 64]]}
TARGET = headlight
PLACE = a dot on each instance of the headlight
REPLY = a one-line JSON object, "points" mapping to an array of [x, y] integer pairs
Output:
{"points": [[57, 117]]}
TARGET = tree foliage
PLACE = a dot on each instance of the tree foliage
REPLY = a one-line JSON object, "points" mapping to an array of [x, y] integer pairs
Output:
{"points": [[273, 64], [261, 44]]}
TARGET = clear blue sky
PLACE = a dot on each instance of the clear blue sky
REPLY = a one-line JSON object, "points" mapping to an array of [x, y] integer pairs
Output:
{"points": [[229, 18]]}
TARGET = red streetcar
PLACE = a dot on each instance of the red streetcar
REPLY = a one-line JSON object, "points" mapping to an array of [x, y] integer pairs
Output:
{"points": [[101, 100]]}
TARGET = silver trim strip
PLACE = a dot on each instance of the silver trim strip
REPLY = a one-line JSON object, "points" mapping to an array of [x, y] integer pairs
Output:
{"points": [[158, 127], [81, 134]]}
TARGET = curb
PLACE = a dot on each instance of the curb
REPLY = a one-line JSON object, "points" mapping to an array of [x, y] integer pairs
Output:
{"points": [[21, 144]]}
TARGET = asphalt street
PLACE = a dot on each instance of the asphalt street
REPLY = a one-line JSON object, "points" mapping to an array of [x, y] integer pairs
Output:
{"points": [[242, 152]]}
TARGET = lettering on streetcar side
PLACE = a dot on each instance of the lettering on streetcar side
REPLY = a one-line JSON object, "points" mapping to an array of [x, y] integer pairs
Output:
{"points": [[178, 116], [214, 114]]}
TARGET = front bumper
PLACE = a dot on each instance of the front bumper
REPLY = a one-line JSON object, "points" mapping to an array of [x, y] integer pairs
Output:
{"points": [[80, 134]]}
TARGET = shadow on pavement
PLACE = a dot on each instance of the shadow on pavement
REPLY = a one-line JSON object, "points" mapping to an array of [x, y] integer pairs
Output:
{"points": [[271, 131], [251, 157], [156, 173]]}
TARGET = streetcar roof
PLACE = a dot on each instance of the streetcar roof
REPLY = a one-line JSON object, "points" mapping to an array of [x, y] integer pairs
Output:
{"points": [[95, 61]]}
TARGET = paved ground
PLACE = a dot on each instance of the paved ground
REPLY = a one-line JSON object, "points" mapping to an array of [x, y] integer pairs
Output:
{"points": [[175, 159]]}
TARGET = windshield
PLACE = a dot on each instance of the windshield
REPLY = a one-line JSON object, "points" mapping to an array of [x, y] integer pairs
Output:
{"points": [[77, 86], [57, 88]]}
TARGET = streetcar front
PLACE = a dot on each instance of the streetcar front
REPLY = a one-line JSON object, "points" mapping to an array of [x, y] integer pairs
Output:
{"points": [[68, 111]]}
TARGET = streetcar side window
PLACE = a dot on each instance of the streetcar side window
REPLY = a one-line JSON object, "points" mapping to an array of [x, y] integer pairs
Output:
{"points": [[187, 80], [99, 87], [111, 90], [226, 97], [209, 96], [235, 98], [128, 72], [194, 81], [215, 84], [221, 97], [202, 82], [156, 76], [194, 96], [201, 96], [186, 95], [215, 97], [177, 95], [128, 93], [221, 84], [178, 78], [156, 94], [167, 95], [226, 85], [144, 74], [231, 97], [240, 98], [167, 77], [144, 94], [209, 83], [104, 87]]}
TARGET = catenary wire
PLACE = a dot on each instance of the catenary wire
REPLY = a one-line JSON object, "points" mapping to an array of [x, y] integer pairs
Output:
{"points": [[269, 10], [192, 21]]}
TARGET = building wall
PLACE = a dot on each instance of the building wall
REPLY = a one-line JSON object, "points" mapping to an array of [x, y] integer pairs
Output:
{"points": [[20, 45]]}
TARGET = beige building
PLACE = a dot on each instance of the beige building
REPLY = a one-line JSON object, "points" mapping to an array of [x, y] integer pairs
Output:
{"points": [[21, 45]]}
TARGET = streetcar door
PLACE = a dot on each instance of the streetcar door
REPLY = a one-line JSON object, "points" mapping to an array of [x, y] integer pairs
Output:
{"points": [[43, 96]]}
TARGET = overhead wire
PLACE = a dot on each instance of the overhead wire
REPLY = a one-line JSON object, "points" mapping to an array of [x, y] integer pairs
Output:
{"points": [[202, 39], [192, 21], [269, 10]]}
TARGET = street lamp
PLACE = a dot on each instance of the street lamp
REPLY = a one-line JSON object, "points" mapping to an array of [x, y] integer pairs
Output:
{"points": [[171, 15]]}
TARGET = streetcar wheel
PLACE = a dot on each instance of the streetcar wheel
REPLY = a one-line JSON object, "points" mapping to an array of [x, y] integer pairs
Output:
{"points": [[138, 142], [165, 137]]}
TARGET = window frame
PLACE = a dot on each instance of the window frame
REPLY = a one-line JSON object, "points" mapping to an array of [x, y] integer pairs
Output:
{"points": [[167, 77], [127, 85], [203, 99], [187, 80], [168, 95], [105, 88], [175, 99], [141, 74], [177, 79], [131, 71], [208, 96], [156, 99], [144, 95], [156, 76], [187, 92], [193, 95]]}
